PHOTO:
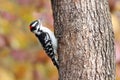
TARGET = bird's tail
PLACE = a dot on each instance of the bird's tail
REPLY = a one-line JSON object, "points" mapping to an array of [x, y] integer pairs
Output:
{"points": [[55, 62]]}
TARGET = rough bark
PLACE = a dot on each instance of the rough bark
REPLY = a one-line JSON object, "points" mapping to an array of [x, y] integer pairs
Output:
{"points": [[85, 37]]}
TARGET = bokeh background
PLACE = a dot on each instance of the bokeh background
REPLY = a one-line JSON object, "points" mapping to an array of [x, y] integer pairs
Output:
{"points": [[21, 55]]}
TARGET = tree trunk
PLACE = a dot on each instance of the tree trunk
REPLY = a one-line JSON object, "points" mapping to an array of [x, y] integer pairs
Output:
{"points": [[85, 37]]}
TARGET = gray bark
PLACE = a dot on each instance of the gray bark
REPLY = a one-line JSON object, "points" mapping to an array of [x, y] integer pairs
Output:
{"points": [[85, 37]]}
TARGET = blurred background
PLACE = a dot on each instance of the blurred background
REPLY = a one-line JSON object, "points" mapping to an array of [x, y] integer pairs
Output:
{"points": [[21, 56]]}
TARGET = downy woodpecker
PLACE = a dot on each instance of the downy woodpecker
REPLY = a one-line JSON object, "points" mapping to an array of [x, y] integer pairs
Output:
{"points": [[47, 40]]}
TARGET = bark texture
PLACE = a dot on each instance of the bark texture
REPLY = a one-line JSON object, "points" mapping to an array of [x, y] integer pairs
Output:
{"points": [[85, 37]]}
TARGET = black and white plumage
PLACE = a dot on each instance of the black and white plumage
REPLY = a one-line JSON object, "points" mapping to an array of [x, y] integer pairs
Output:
{"points": [[47, 40]]}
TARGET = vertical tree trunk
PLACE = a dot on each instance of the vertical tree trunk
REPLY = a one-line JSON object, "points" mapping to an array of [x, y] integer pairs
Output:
{"points": [[86, 44]]}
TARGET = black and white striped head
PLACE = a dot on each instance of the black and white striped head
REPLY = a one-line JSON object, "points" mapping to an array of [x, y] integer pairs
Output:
{"points": [[35, 26]]}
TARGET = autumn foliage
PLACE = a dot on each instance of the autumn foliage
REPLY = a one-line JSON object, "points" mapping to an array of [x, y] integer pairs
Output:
{"points": [[21, 55]]}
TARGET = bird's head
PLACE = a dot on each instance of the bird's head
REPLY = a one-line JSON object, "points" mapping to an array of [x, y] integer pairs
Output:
{"points": [[35, 26]]}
